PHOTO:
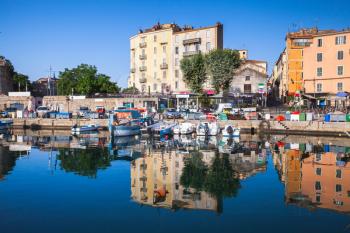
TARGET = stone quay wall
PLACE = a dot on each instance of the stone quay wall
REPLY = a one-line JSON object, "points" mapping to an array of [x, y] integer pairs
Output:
{"points": [[286, 127], [64, 104]]}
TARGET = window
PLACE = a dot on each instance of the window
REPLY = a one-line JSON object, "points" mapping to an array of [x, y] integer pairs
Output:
{"points": [[197, 47], [155, 50], [340, 40], [208, 34], [143, 52], [164, 61], [186, 48], [155, 75], [155, 38], [155, 87], [319, 57], [340, 70], [176, 85], [176, 61], [338, 173], [155, 63], [318, 171], [176, 73], [318, 185], [338, 188], [319, 42], [247, 78], [208, 46], [319, 71], [176, 50], [340, 55], [164, 49], [164, 74], [319, 87], [340, 86], [176, 39], [318, 199], [247, 88]]}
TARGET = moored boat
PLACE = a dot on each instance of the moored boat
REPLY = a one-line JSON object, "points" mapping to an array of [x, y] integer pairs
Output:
{"points": [[85, 128], [231, 131], [208, 128], [184, 128], [161, 129]]}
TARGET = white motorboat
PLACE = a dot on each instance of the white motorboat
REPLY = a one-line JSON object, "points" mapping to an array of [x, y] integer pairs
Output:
{"points": [[184, 128], [208, 128], [85, 128], [231, 131]]}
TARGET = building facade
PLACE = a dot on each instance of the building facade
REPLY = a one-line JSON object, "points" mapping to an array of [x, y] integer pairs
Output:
{"points": [[155, 55], [6, 73], [45, 86], [327, 63], [314, 62], [278, 78], [250, 79]]}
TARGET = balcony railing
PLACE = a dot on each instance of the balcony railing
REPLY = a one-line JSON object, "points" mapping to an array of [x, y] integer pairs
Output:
{"points": [[143, 45], [143, 56], [191, 53], [143, 68], [143, 80], [192, 41], [163, 66], [132, 70]]}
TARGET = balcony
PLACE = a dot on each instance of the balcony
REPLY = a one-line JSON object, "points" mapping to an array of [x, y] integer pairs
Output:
{"points": [[191, 53], [143, 68], [143, 80], [132, 70], [143, 56], [163, 66], [192, 41], [143, 45]]}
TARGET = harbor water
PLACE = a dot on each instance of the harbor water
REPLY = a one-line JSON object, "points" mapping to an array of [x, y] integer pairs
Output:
{"points": [[92, 183]]}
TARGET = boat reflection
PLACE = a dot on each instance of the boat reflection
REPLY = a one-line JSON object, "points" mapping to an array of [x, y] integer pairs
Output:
{"points": [[315, 176]]}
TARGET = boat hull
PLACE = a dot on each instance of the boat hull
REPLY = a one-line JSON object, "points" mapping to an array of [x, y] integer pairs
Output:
{"points": [[123, 131]]}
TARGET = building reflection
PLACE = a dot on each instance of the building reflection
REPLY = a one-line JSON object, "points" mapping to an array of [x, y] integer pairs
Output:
{"points": [[314, 176], [155, 180], [7, 161], [195, 179]]}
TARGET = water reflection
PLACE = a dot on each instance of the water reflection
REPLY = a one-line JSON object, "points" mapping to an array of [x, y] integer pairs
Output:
{"points": [[194, 177], [84, 162], [188, 172], [315, 176]]}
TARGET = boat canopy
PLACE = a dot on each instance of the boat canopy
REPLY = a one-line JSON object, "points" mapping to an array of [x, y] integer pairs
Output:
{"points": [[127, 114]]}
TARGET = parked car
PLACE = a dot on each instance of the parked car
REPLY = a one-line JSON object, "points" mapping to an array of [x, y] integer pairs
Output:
{"points": [[83, 111], [184, 112], [42, 110], [172, 114]]}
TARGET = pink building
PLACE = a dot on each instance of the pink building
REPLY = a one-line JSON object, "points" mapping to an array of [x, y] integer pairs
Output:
{"points": [[326, 63]]}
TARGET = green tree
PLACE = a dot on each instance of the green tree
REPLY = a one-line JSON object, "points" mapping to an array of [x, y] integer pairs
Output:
{"points": [[84, 80], [194, 172], [20, 82], [221, 65], [84, 162], [130, 90], [194, 72]]}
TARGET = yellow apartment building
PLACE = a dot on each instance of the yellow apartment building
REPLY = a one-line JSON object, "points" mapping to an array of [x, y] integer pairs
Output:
{"points": [[156, 52]]}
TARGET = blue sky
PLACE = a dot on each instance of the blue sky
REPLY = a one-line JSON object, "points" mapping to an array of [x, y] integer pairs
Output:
{"points": [[64, 33]]}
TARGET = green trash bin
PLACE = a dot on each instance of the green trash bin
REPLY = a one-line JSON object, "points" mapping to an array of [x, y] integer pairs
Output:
{"points": [[347, 118], [302, 116]]}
